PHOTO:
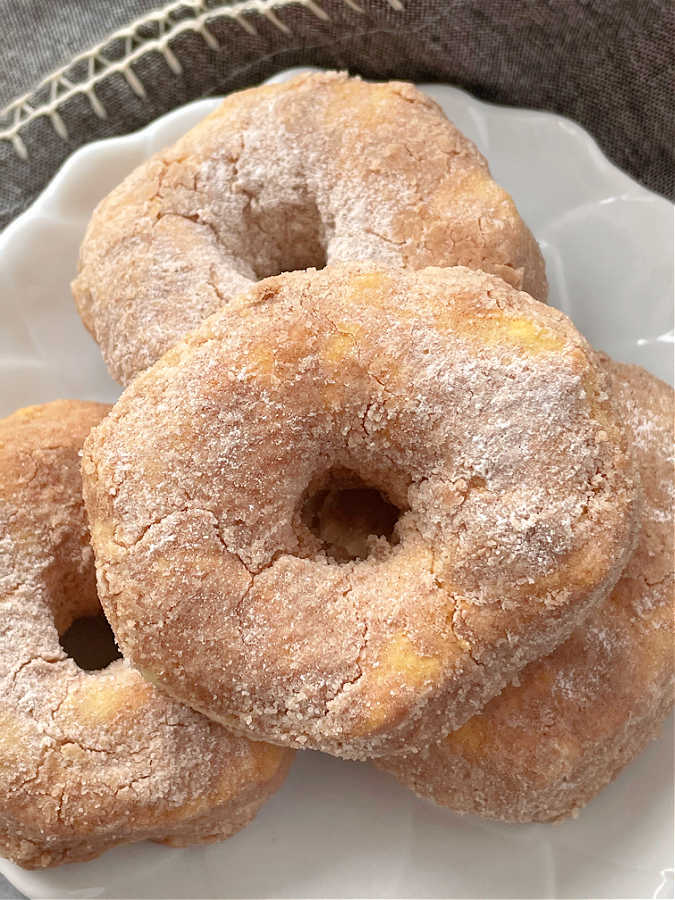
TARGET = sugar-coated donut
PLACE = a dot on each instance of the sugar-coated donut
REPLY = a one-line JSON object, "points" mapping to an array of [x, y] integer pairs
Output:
{"points": [[478, 413], [90, 759], [545, 746], [285, 176]]}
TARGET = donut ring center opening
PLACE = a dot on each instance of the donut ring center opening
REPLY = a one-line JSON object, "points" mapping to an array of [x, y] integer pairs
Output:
{"points": [[90, 642], [348, 516], [284, 237]]}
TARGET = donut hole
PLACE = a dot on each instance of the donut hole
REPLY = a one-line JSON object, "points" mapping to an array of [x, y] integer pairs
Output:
{"points": [[90, 642], [285, 237], [349, 517]]}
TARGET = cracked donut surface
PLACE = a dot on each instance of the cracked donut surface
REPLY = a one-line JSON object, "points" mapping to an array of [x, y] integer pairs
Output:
{"points": [[322, 168], [545, 746], [91, 759], [478, 413]]}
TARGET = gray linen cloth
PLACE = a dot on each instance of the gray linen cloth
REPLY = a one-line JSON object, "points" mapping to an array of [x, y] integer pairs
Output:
{"points": [[109, 68]]}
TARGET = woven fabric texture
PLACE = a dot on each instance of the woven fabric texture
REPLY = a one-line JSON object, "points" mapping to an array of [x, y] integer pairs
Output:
{"points": [[608, 64]]}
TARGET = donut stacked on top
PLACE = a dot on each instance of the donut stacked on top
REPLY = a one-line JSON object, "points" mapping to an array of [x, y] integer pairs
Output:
{"points": [[357, 507], [395, 508], [478, 415]]}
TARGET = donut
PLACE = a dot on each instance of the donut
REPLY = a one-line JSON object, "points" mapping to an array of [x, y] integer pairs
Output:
{"points": [[92, 757], [570, 722], [475, 414], [286, 176]]}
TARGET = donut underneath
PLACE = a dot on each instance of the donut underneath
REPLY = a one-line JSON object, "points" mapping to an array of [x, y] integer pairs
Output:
{"points": [[91, 759], [320, 169], [551, 740]]}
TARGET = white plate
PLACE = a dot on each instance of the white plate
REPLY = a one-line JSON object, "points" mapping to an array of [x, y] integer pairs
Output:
{"points": [[340, 829]]}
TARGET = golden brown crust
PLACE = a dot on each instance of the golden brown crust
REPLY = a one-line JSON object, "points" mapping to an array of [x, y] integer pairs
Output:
{"points": [[282, 177], [566, 727], [479, 412], [91, 759]]}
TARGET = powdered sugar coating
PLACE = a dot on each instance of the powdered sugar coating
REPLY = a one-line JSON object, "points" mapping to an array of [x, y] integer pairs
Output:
{"points": [[91, 759], [478, 412], [571, 721], [282, 177]]}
